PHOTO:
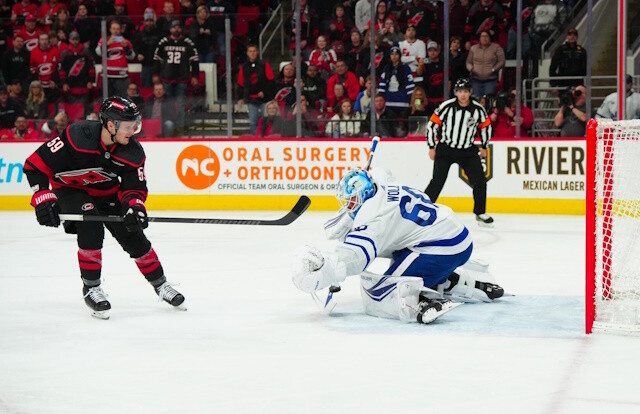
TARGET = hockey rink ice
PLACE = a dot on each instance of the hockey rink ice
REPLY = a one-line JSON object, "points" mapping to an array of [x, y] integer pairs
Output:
{"points": [[250, 342]]}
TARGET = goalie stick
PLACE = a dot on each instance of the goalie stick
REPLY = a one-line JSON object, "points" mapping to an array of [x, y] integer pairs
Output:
{"points": [[328, 304], [300, 207]]}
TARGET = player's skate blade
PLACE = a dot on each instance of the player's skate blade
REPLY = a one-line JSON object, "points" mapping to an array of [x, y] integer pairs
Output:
{"points": [[431, 309], [96, 300], [167, 293], [484, 220]]}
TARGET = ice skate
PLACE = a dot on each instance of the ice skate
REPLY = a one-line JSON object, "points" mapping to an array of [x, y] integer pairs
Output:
{"points": [[96, 300], [431, 309], [167, 293], [484, 220]]}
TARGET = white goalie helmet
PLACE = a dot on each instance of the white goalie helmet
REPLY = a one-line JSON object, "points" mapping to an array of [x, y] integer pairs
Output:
{"points": [[354, 189]]}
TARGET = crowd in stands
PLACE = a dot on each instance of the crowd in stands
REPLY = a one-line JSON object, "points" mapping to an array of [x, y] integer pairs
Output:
{"points": [[50, 49], [409, 69]]}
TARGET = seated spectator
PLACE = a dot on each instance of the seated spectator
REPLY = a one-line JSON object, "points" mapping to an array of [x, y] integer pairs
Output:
{"points": [[22, 8], [340, 27], [345, 123], [161, 107], [396, 84], [396, 7], [380, 18], [270, 124], [133, 93], [21, 131], [314, 87], [56, 44], [285, 87], [347, 79], [339, 94], [391, 34], [323, 58], [418, 113], [387, 124], [309, 121], [56, 126], [9, 109], [381, 57], [484, 63], [203, 33], [503, 116], [609, 107], [15, 91], [363, 101], [572, 117], [36, 103]]}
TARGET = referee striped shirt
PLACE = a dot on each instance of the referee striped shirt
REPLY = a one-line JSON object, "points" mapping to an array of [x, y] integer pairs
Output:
{"points": [[458, 126]]}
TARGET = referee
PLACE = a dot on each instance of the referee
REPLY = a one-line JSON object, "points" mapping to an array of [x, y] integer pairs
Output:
{"points": [[455, 125]]}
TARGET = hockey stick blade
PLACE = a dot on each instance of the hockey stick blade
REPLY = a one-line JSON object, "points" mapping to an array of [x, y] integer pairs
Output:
{"points": [[300, 207]]}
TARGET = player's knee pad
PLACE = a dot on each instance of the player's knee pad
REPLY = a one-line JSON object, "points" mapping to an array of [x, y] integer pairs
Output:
{"points": [[136, 244], [471, 282], [392, 297], [90, 234]]}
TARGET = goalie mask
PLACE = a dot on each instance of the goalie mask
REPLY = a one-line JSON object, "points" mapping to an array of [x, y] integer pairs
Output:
{"points": [[354, 189]]}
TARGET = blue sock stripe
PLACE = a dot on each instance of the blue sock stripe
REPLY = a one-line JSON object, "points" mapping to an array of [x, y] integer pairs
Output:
{"points": [[448, 242], [356, 236]]}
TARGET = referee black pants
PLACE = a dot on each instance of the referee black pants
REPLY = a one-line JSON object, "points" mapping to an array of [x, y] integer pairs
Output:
{"points": [[469, 160]]}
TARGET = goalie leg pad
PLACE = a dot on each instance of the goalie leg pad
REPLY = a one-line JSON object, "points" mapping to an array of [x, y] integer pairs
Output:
{"points": [[392, 297]]}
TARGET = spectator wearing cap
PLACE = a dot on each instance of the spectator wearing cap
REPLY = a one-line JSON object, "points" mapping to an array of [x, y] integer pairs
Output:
{"points": [[44, 64], [77, 72], [414, 51], [16, 92], [609, 107], [433, 74], [396, 83], [127, 27], [119, 54], [203, 34], [15, 62], [176, 65], [9, 109], [484, 62], [570, 59], [145, 44], [30, 32], [219, 11], [21, 131]]}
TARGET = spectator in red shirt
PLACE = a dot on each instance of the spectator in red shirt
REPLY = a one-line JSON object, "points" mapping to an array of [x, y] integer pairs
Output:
{"points": [[30, 32], [22, 9], [77, 71], [503, 116], [44, 66], [347, 79], [119, 53], [323, 57], [21, 131], [270, 124], [47, 12]]}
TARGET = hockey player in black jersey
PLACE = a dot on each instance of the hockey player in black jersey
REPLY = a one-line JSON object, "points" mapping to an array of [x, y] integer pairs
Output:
{"points": [[97, 167]]}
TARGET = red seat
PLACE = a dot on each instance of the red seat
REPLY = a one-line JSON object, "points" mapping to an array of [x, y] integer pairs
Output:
{"points": [[246, 15], [74, 110], [51, 110], [152, 128]]}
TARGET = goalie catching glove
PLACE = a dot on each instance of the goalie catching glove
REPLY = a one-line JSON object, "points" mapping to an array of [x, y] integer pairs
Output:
{"points": [[316, 271], [135, 218]]}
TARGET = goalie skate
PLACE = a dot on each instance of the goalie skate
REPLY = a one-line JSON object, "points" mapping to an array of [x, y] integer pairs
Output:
{"points": [[96, 300], [431, 309], [167, 293]]}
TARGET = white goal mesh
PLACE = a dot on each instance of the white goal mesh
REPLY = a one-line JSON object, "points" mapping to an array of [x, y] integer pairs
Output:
{"points": [[617, 227]]}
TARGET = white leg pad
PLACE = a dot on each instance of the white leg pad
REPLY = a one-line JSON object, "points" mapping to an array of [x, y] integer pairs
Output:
{"points": [[392, 297]]}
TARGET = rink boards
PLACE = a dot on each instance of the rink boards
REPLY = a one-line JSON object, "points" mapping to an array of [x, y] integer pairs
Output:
{"points": [[542, 175]]}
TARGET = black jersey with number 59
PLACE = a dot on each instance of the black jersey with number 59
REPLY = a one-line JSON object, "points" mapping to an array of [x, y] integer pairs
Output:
{"points": [[79, 159]]}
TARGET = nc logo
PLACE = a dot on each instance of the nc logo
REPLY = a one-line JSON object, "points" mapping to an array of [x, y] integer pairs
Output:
{"points": [[198, 167]]}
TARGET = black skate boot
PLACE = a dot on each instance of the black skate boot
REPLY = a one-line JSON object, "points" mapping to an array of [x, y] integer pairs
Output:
{"points": [[167, 293], [430, 309], [96, 299], [484, 220]]}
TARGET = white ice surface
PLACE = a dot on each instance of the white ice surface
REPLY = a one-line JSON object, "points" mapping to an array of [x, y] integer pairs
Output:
{"points": [[251, 343]]}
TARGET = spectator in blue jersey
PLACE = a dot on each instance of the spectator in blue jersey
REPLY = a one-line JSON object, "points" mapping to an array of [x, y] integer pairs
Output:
{"points": [[363, 101], [396, 83]]}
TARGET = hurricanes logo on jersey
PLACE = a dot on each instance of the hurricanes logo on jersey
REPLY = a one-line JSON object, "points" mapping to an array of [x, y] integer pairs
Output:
{"points": [[84, 177], [487, 166], [198, 167]]}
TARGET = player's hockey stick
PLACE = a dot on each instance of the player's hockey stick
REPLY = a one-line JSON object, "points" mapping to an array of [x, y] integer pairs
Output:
{"points": [[297, 210], [327, 304]]}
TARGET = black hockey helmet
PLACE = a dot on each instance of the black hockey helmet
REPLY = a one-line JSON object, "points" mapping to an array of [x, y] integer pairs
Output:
{"points": [[462, 83], [120, 110]]}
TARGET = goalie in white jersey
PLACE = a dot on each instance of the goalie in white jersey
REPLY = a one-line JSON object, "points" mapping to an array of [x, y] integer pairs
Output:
{"points": [[428, 247]]}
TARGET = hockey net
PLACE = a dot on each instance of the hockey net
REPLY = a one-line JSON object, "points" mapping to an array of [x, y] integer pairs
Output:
{"points": [[613, 226]]}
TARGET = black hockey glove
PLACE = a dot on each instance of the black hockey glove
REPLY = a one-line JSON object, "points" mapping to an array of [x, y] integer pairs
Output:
{"points": [[136, 216], [47, 208]]}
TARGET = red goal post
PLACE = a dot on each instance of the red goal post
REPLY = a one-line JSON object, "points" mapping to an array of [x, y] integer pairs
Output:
{"points": [[613, 226]]}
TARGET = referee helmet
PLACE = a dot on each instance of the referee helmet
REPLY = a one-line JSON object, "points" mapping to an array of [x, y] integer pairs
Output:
{"points": [[462, 83]]}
